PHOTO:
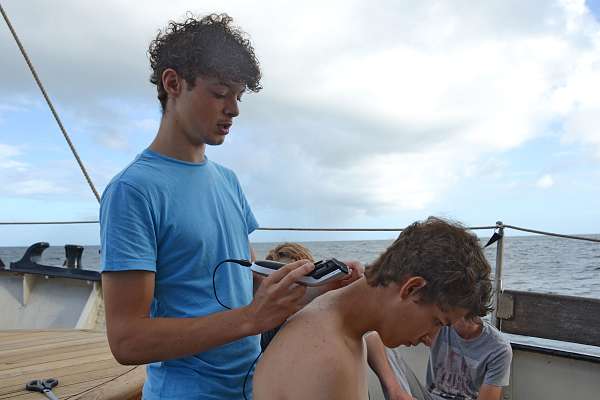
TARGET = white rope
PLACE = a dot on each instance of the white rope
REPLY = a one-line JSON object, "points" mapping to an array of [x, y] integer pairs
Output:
{"points": [[48, 222], [589, 239], [353, 229]]}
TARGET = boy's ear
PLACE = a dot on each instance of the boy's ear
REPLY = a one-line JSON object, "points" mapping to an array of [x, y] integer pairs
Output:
{"points": [[411, 286], [172, 82]]}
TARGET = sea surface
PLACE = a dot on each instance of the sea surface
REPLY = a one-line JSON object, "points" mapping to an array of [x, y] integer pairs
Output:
{"points": [[530, 263]]}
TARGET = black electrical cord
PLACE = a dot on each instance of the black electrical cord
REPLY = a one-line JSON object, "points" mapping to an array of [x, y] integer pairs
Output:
{"points": [[245, 263], [248, 374]]}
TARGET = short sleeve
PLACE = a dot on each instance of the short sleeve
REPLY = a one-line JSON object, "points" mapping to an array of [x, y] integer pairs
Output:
{"points": [[498, 369], [127, 230], [251, 222]]}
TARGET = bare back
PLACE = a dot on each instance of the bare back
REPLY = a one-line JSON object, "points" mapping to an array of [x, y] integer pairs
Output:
{"points": [[312, 358]]}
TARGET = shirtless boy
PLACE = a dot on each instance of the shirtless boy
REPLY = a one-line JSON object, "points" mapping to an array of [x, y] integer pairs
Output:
{"points": [[432, 275]]}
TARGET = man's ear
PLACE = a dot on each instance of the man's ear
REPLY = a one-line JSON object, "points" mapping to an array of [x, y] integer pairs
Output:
{"points": [[411, 286], [172, 82]]}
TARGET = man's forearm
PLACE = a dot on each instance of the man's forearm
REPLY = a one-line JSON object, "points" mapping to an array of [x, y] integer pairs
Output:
{"points": [[145, 340], [490, 392], [378, 361], [135, 338]]}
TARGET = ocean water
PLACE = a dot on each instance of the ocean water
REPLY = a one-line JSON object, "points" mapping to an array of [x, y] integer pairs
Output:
{"points": [[530, 263]]}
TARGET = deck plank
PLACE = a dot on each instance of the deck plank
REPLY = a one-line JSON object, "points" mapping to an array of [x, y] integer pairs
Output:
{"points": [[60, 391], [40, 368], [124, 387], [41, 348], [69, 380], [68, 376], [50, 356], [30, 340], [81, 361]]}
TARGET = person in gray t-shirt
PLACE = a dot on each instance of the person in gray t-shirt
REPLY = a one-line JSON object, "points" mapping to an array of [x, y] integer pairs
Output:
{"points": [[468, 361]]}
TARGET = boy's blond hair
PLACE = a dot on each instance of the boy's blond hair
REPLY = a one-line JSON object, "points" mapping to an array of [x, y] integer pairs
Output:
{"points": [[290, 252]]}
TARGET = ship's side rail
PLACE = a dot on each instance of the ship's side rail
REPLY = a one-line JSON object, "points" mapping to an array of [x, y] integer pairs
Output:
{"points": [[550, 316]]}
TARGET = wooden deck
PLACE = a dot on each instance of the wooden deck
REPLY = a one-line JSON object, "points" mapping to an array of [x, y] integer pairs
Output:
{"points": [[80, 360]]}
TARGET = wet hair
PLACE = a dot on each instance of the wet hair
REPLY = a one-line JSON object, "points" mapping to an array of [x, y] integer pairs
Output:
{"points": [[447, 256], [290, 251], [208, 46]]}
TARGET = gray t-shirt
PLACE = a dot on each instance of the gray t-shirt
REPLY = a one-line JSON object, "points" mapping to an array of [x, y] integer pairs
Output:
{"points": [[458, 367]]}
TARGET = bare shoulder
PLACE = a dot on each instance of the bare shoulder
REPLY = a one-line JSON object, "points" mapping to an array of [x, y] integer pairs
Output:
{"points": [[309, 358]]}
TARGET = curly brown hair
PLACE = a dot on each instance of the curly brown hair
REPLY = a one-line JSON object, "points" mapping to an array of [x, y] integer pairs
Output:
{"points": [[290, 251], [447, 256], [209, 46]]}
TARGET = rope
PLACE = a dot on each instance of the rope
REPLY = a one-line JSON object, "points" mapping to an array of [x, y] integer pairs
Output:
{"points": [[553, 234], [58, 121], [332, 229], [49, 223], [103, 383], [353, 229], [259, 229]]}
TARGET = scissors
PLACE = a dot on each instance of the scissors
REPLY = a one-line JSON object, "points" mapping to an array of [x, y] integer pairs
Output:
{"points": [[43, 386]]}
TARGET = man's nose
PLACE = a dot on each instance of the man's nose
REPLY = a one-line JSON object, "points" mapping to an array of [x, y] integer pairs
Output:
{"points": [[231, 108]]}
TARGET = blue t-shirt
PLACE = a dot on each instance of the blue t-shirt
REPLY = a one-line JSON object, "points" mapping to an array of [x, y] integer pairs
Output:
{"points": [[179, 220], [458, 367]]}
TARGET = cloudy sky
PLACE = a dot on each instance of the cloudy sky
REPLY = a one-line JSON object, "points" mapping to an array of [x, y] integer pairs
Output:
{"points": [[373, 113]]}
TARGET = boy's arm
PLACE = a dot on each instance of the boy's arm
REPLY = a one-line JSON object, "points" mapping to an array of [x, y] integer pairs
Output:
{"points": [[497, 374], [135, 338], [490, 392], [378, 361]]}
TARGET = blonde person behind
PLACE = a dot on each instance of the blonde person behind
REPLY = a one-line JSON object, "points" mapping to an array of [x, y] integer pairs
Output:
{"points": [[432, 275], [286, 252]]}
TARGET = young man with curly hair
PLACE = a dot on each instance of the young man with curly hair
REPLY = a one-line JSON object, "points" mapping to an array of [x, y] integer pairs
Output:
{"points": [[432, 275], [171, 216]]}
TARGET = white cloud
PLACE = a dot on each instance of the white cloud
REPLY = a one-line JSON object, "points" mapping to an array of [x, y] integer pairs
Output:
{"points": [[545, 182], [583, 125], [7, 151], [147, 124], [39, 178], [374, 106], [37, 186], [7, 158], [12, 164], [113, 140], [6, 108], [578, 101]]}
